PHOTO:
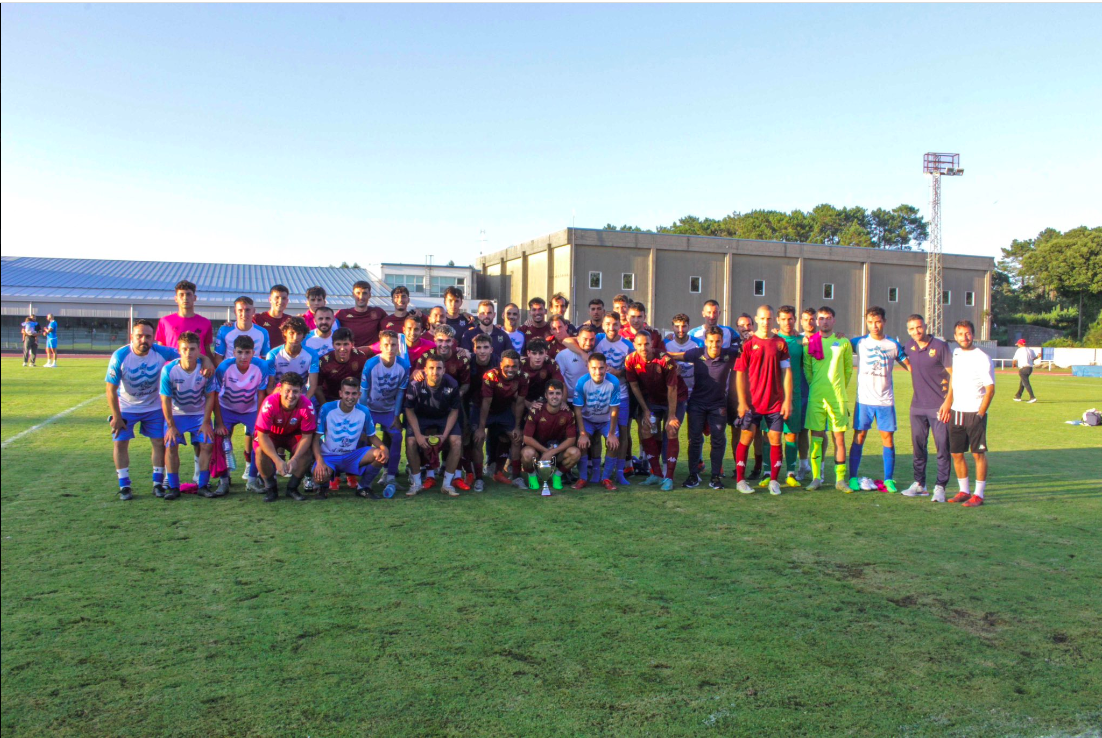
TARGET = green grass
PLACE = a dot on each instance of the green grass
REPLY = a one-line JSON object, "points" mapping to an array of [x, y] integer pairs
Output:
{"points": [[631, 613]]}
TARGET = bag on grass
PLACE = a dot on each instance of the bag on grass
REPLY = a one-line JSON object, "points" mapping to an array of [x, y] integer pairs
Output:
{"points": [[1092, 417]]}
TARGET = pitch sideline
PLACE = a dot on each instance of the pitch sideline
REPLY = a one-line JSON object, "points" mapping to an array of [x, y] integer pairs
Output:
{"points": [[46, 422]]}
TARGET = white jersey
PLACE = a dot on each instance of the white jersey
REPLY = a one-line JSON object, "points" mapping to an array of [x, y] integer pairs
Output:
{"points": [[616, 352], [729, 333], [340, 431], [573, 367], [281, 362], [321, 346], [517, 338], [237, 389], [1025, 357], [138, 377], [188, 390], [382, 387], [227, 334], [684, 368], [875, 363], [973, 370]]}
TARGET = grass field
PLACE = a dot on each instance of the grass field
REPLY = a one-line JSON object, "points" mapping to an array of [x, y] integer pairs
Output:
{"points": [[593, 613]]}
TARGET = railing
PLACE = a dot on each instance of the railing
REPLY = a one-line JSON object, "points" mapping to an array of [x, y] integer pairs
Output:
{"points": [[73, 341]]}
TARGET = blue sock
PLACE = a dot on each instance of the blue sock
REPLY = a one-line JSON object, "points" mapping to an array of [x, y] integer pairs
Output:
{"points": [[610, 466], [889, 462], [253, 472], [369, 475], [595, 469], [173, 481], [620, 464], [204, 478], [583, 467], [124, 477], [854, 458], [159, 475]]}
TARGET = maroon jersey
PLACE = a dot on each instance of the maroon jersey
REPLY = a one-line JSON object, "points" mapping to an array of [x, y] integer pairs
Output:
{"points": [[656, 340], [538, 378], [501, 391], [553, 348], [393, 323], [455, 367], [531, 331], [547, 427], [364, 326], [764, 360], [478, 372], [655, 377], [332, 372], [273, 326]]}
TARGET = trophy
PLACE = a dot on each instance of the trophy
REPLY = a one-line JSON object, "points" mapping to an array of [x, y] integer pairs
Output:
{"points": [[545, 469]]}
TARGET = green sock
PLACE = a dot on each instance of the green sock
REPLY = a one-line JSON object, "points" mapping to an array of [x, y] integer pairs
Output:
{"points": [[817, 457], [791, 455], [840, 471]]}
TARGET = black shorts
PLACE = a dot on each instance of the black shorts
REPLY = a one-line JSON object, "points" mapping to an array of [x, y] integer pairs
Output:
{"points": [[967, 432], [765, 421], [432, 427]]}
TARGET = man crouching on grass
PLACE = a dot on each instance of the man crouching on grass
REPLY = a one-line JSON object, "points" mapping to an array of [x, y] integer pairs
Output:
{"points": [[286, 421], [342, 427], [550, 433]]}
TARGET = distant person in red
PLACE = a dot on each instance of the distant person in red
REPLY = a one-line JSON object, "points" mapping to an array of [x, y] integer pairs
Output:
{"points": [[273, 319], [363, 320], [637, 321], [286, 421], [660, 392], [540, 371], [171, 327]]}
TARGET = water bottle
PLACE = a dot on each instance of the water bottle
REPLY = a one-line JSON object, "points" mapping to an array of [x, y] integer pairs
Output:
{"points": [[227, 446]]}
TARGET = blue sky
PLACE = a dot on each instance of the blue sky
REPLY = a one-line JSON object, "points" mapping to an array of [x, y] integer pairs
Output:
{"points": [[306, 134]]}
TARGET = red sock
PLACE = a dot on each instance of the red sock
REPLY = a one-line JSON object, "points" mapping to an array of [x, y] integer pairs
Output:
{"points": [[778, 461], [741, 452], [673, 448], [654, 451]]}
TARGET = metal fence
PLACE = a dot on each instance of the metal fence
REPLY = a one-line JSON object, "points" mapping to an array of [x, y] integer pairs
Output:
{"points": [[91, 341]]}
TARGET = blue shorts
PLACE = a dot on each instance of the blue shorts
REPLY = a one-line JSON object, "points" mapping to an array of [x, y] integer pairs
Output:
{"points": [[51, 343], [348, 463], [624, 418], [152, 422], [598, 427], [884, 415], [503, 422], [188, 424], [773, 422], [231, 418], [384, 420]]}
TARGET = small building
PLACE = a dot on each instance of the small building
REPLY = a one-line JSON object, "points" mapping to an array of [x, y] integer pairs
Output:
{"points": [[426, 282], [673, 274]]}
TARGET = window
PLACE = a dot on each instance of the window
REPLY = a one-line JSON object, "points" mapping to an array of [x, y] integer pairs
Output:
{"points": [[594, 280], [946, 297], [970, 299], [627, 282], [413, 282], [439, 284], [759, 288], [694, 285], [893, 294], [828, 291]]}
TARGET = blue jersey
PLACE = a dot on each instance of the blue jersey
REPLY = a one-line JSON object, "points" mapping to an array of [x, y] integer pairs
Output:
{"points": [[227, 334], [52, 328], [138, 377], [305, 364], [340, 431], [382, 387], [188, 390], [597, 400], [237, 389], [729, 334], [616, 352]]}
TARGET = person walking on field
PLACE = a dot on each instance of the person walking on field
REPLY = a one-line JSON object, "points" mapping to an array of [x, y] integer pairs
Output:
{"points": [[1024, 358]]}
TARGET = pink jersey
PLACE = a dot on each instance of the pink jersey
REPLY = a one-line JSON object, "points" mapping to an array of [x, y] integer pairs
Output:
{"points": [[308, 316], [171, 327], [275, 421]]}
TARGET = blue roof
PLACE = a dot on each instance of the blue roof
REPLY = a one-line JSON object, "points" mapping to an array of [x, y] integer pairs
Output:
{"points": [[108, 279]]}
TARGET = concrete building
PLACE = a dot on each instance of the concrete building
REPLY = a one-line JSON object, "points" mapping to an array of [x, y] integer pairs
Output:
{"points": [[673, 274], [426, 282]]}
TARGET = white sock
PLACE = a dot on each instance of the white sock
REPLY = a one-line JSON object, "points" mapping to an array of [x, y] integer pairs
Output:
{"points": [[416, 479], [391, 478], [123, 473], [448, 477], [431, 473], [963, 482], [980, 487]]}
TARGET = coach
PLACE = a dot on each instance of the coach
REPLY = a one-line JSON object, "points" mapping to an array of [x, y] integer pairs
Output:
{"points": [[931, 372]]}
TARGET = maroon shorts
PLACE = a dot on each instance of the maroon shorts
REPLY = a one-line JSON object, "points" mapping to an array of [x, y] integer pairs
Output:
{"points": [[287, 443]]}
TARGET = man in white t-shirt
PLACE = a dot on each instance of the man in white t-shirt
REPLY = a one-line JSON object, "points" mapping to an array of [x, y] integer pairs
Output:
{"points": [[1024, 358], [971, 390]]}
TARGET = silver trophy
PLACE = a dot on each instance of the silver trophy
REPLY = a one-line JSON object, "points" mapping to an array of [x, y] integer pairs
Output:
{"points": [[545, 469]]}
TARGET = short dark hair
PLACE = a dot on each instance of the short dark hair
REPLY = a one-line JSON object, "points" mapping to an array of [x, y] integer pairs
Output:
{"points": [[680, 318], [554, 384], [808, 311], [350, 382], [143, 321], [916, 316], [244, 342], [188, 337], [613, 316], [965, 324], [481, 338], [877, 311], [748, 316], [644, 334], [507, 306], [382, 334], [279, 288], [596, 301], [296, 324], [345, 334], [587, 328], [828, 310], [715, 330], [537, 345], [786, 310], [362, 284], [316, 292], [709, 303], [432, 356], [510, 354], [640, 307], [184, 285], [324, 307], [561, 296], [537, 301], [245, 299], [598, 356], [414, 318], [621, 298], [454, 291], [556, 316], [400, 289], [292, 379]]}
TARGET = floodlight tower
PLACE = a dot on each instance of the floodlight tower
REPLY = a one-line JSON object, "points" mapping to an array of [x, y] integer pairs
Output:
{"points": [[937, 166]]}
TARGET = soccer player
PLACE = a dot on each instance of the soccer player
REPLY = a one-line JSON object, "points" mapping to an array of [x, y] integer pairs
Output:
{"points": [[187, 402], [828, 366], [560, 331], [383, 387], [50, 332], [171, 327], [245, 311], [343, 426], [616, 350], [1024, 358], [362, 319], [432, 414], [596, 315], [510, 323], [763, 381], [808, 328], [710, 313], [412, 342], [794, 457], [559, 306], [620, 305], [550, 433], [29, 331], [315, 299], [458, 368], [501, 414], [453, 315], [273, 319], [678, 343], [242, 382], [345, 360], [320, 340], [287, 422], [482, 361], [499, 339], [437, 316], [133, 380], [930, 358], [660, 393], [596, 407], [745, 326], [537, 325], [573, 365], [294, 357], [972, 389], [396, 321], [877, 356], [539, 371]]}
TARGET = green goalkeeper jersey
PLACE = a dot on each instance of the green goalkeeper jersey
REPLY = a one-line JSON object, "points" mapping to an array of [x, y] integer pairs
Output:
{"points": [[796, 350], [828, 377]]}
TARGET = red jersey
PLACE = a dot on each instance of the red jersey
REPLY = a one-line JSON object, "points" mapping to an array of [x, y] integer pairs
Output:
{"points": [[538, 378], [275, 421], [398, 324], [656, 339], [501, 391], [274, 327], [332, 372], [455, 367], [547, 427], [764, 361], [655, 377], [531, 331], [364, 326], [478, 372]]}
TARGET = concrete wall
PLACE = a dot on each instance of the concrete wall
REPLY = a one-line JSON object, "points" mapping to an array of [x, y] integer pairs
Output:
{"points": [[958, 282], [910, 285], [672, 296], [769, 265], [848, 280], [611, 264]]}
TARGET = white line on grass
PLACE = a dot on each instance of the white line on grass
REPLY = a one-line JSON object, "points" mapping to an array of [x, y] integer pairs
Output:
{"points": [[46, 422]]}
